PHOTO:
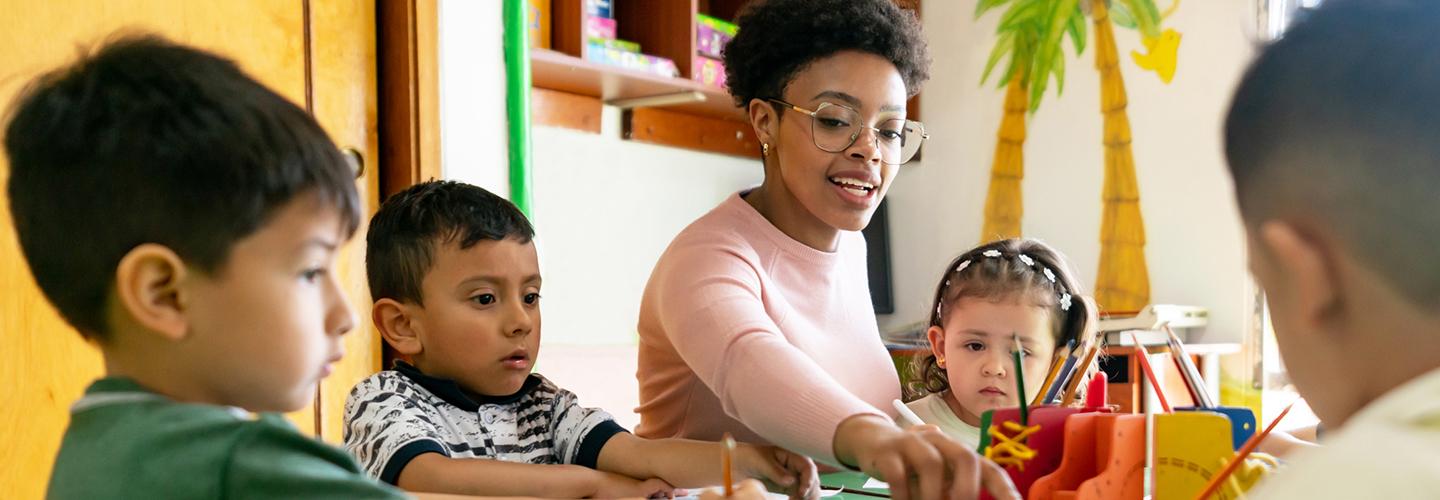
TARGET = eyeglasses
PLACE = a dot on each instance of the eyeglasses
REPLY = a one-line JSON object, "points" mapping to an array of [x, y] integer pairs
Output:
{"points": [[834, 128]]}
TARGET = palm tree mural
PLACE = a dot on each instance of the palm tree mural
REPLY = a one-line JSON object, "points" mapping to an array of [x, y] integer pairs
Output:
{"points": [[1030, 33], [1029, 37]]}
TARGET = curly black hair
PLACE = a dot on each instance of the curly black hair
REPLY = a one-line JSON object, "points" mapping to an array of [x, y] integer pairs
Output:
{"points": [[778, 38]]}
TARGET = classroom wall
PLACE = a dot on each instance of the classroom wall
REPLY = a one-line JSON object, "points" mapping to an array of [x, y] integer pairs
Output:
{"points": [[1195, 249], [473, 134]]}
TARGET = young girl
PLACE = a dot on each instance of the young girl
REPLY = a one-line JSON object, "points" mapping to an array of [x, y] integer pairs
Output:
{"points": [[986, 298]]}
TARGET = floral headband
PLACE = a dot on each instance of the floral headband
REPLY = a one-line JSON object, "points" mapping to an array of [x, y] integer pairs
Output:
{"points": [[1065, 298]]}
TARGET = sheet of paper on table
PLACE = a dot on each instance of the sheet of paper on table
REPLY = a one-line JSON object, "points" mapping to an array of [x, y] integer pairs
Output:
{"points": [[695, 493], [875, 484]]}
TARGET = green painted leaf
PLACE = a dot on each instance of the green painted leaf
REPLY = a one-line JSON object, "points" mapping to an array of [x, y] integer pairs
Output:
{"points": [[1147, 17], [1037, 90], [1009, 73], [1004, 45], [985, 5], [1120, 15], [1059, 70], [1021, 14], [1048, 55], [1152, 11], [1077, 29]]}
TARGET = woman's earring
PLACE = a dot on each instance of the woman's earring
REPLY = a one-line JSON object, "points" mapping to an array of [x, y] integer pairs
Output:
{"points": [[764, 149], [940, 362]]}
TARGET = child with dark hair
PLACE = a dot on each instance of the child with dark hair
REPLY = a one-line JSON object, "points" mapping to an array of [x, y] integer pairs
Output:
{"points": [[986, 297], [1334, 145], [456, 283], [186, 219]]}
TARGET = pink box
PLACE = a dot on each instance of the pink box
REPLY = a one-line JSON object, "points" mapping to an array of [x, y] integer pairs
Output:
{"points": [[708, 71], [599, 27]]}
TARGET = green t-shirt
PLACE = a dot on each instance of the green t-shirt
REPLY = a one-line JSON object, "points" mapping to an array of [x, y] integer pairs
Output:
{"points": [[127, 442]]}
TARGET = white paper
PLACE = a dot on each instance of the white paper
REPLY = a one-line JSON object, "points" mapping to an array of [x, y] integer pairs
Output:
{"points": [[875, 484], [695, 493]]}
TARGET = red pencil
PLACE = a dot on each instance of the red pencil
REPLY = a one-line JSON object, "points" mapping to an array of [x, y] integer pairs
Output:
{"points": [[1144, 356], [1217, 479]]}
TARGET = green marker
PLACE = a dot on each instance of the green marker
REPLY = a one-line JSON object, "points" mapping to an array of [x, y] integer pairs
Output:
{"points": [[1020, 381]]}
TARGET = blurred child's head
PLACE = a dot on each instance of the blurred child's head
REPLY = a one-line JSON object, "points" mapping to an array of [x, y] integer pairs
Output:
{"points": [[987, 297], [456, 285], [1333, 141], [186, 219]]}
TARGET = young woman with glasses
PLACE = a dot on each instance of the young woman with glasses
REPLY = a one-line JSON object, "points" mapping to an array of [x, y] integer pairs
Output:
{"points": [[757, 319]]}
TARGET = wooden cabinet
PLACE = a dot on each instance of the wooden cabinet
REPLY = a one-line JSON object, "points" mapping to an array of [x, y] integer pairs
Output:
{"points": [[318, 53]]}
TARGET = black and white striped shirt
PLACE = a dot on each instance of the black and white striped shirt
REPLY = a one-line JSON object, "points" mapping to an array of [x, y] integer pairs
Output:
{"points": [[395, 415]]}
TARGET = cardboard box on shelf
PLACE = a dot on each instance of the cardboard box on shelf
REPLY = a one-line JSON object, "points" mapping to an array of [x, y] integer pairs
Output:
{"points": [[598, 8], [599, 27], [538, 23], [711, 35], [708, 71], [599, 51]]}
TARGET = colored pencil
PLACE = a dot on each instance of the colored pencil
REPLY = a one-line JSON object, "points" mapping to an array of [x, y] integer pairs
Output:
{"points": [[1193, 381], [1078, 375], [1055, 367], [1239, 458], [1062, 379], [727, 450], [1144, 357], [1020, 380]]}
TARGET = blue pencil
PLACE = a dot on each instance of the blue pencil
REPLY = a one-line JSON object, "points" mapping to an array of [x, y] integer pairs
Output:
{"points": [[1065, 372]]}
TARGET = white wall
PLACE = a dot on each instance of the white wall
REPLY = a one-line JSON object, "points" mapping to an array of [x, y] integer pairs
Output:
{"points": [[1195, 249], [605, 209], [473, 130]]}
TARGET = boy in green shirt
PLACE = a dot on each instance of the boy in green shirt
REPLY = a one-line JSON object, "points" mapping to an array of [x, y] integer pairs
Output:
{"points": [[186, 219]]}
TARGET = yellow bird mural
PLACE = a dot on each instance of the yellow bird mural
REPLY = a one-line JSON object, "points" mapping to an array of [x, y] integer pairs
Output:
{"points": [[1161, 55]]}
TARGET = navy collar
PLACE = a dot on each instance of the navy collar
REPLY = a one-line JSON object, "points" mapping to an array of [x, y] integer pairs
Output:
{"points": [[451, 392]]}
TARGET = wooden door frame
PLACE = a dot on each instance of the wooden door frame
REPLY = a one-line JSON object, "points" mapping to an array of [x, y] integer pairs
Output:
{"points": [[408, 38], [409, 93]]}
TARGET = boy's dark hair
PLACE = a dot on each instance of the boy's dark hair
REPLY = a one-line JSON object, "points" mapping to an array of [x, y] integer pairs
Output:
{"points": [[148, 141], [1340, 121], [1006, 277], [779, 38], [403, 235]]}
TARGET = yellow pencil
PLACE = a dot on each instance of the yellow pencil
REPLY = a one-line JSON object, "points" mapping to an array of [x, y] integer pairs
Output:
{"points": [[727, 448], [1079, 370]]}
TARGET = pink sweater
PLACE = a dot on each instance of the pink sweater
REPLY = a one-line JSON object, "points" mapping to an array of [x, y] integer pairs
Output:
{"points": [[745, 330]]}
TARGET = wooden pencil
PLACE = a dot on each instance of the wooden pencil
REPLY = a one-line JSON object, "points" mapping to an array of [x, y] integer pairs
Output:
{"points": [[727, 450], [1217, 479], [1055, 367], [1078, 375]]}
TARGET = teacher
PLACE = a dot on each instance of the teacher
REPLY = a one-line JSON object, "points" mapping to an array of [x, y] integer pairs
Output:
{"points": [[757, 319]]}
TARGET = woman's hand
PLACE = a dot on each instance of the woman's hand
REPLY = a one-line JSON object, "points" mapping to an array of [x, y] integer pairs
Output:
{"points": [[781, 470], [920, 462]]}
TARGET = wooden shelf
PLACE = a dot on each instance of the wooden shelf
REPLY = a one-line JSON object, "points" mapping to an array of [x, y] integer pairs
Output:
{"points": [[566, 73], [702, 117]]}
